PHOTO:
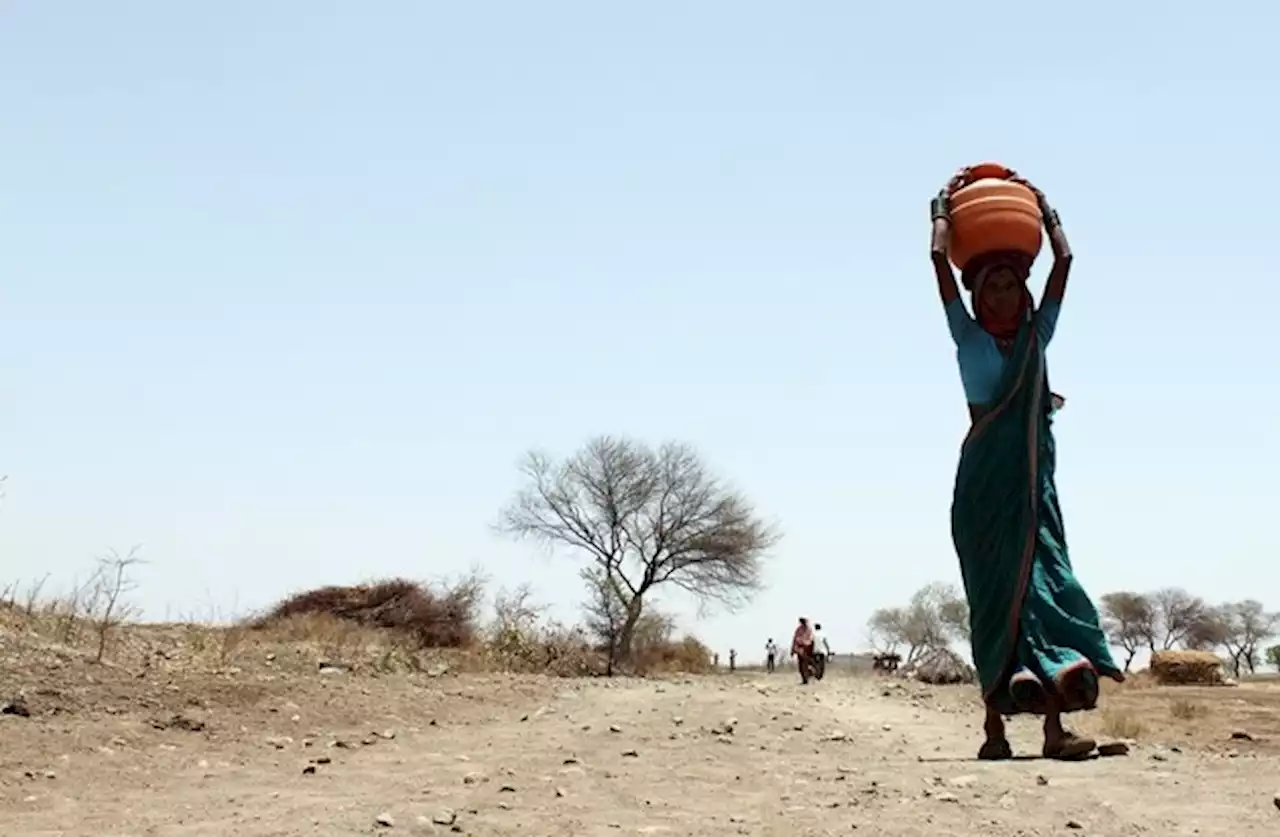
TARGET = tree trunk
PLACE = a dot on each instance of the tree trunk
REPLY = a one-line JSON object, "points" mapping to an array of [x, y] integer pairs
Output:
{"points": [[627, 632], [1128, 661]]}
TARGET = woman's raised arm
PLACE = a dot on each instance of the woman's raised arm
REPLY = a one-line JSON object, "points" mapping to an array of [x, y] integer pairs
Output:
{"points": [[940, 210], [1056, 286]]}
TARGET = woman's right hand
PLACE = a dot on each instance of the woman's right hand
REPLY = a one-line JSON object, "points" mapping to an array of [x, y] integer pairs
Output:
{"points": [[957, 180]]}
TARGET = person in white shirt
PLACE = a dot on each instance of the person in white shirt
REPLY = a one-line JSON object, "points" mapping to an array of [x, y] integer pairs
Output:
{"points": [[771, 655], [821, 651]]}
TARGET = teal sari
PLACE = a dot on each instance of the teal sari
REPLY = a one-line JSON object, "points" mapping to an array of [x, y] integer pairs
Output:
{"points": [[1035, 631]]}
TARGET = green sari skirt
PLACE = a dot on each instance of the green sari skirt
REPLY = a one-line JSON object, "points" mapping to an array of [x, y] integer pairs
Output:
{"points": [[1035, 631]]}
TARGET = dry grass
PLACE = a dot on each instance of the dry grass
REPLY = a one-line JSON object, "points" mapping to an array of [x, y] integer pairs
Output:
{"points": [[380, 627], [1187, 710], [1122, 723]]}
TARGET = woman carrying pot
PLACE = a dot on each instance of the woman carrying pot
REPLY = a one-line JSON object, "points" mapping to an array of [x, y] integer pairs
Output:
{"points": [[1037, 642]]}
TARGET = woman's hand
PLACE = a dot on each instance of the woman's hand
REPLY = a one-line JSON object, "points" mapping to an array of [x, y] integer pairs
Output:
{"points": [[957, 180], [1056, 285], [1047, 212], [940, 214]]}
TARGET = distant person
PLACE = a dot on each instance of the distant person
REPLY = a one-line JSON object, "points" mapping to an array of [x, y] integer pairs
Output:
{"points": [[733, 660], [820, 644], [821, 651], [770, 655], [1037, 641], [715, 661], [802, 648]]}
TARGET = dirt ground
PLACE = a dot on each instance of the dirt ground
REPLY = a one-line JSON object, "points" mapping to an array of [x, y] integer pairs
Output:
{"points": [[280, 749]]}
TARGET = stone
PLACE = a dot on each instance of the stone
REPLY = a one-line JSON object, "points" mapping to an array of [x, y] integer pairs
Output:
{"points": [[445, 817], [17, 707], [384, 821]]}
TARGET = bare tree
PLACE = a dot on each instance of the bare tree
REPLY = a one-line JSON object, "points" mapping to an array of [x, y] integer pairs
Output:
{"points": [[1129, 620], [1209, 631], [888, 632], [107, 605], [1176, 613], [1248, 625], [936, 615], [643, 518]]}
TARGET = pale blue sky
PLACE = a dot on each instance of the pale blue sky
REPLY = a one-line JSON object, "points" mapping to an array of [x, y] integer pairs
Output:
{"points": [[289, 287]]}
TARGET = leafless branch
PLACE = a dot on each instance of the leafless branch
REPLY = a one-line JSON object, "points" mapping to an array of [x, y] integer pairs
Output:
{"points": [[643, 517], [112, 583]]}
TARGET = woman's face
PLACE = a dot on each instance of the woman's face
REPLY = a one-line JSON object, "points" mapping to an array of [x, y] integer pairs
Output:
{"points": [[1003, 293]]}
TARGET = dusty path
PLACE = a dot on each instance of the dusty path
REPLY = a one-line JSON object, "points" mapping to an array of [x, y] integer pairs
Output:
{"points": [[557, 757]]}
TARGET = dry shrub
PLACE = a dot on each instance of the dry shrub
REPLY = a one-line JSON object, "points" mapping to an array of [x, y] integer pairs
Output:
{"points": [[686, 655], [1121, 723], [1186, 668], [1132, 682], [522, 640], [1187, 710], [443, 617], [655, 650], [943, 667]]}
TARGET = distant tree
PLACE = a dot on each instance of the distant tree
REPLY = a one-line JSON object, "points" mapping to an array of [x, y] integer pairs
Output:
{"points": [[1129, 620], [1273, 656], [643, 518], [887, 631], [936, 616], [1176, 613], [1209, 631], [1247, 625]]}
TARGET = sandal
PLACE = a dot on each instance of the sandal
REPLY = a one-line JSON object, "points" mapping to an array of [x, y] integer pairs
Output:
{"points": [[1070, 747], [995, 749]]}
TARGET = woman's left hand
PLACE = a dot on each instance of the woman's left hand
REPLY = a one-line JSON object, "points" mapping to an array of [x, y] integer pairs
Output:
{"points": [[1014, 177]]}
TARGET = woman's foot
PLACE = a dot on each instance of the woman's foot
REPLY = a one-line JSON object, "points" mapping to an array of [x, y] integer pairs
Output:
{"points": [[1067, 746], [995, 749]]}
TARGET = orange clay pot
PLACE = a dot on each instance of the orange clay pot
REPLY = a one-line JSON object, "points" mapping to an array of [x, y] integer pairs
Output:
{"points": [[989, 213]]}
